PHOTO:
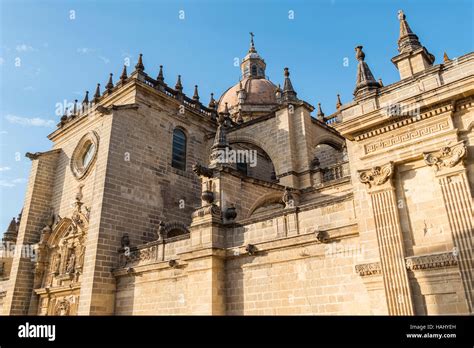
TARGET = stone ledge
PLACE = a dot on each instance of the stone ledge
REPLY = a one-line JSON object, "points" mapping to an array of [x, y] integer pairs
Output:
{"points": [[430, 261]]}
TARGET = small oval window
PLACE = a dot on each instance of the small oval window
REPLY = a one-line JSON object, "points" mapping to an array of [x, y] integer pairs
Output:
{"points": [[88, 155]]}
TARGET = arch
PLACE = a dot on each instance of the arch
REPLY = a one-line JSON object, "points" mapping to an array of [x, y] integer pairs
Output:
{"points": [[179, 144], [174, 229], [333, 141], [234, 138], [265, 200]]}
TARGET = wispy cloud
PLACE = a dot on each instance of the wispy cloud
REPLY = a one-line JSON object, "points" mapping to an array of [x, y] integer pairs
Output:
{"points": [[85, 50], [24, 48], [4, 169], [3, 132], [30, 122], [105, 59], [12, 182], [29, 88], [2, 60]]}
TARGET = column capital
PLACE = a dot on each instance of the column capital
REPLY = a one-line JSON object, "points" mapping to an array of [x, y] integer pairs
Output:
{"points": [[378, 176], [446, 158]]}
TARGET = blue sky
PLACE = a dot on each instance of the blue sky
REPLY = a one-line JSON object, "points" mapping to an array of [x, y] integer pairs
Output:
{"points": [[49, 54]]}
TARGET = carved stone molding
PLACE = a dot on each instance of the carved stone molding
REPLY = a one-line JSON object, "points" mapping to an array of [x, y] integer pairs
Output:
{"points": [[367, 269], [211, 209], [376, 176], [431, 261], [447, 157]]}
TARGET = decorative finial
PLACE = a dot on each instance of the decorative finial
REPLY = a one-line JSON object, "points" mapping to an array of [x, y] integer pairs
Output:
{"points": [[401, 15], [140, 67], [446, 58], [74, 109], [160, 77], [97, 93], [86, 99], [338, 104], [360, 55], [289, 93], [212, 102], [179, 86], [252, 44], [320, 114], [226, 110], [110, 84], [365, 81], [123, 77], [196, 94], [380, 82]]}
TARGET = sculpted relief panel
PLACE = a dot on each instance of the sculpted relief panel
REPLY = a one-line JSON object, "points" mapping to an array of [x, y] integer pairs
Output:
{"points": [[60, 259]]}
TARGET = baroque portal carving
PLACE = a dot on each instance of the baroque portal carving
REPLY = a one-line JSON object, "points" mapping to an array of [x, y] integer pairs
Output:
{"points": [[60, 258]]}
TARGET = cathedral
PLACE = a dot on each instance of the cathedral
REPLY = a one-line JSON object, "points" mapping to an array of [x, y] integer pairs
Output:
{"points": [[151, 202]]}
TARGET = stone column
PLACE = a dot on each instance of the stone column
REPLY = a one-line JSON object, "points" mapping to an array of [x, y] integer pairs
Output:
{"points": [[457, 199], [389, 237]]}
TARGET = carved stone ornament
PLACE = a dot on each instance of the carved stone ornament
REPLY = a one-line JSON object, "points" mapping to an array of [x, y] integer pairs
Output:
{"points": [[202, 171], [447, 157], [367, 269], [376, 176], [431, 261], [211, 209]]}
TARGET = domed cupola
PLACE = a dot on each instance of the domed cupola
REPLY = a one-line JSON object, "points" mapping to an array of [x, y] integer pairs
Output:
{"points": [[254, 95]]}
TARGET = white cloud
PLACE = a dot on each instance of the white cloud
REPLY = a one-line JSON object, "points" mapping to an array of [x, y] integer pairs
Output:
{"points": [[105, 59], [29, 88], [30, 122], [5, 183], [3, 132], [12, 183], [84, 50], [2, 60], [4, 169], [24, 48], [19, 181]]}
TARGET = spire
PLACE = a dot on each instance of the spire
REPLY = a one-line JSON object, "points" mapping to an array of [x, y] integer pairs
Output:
{"points": [[160, 77], [74, 108], [289, 93], [110, 84], [407, 40], [196, 94], [123, 77], [320, 114], [179, 86], [140, 67], [338, 103], [86, 99], [97, 94], [11, 232], [365, 80], [413, 57], [445, 58], [212, 102]]}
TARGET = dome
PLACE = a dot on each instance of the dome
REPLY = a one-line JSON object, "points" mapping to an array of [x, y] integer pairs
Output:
{"points": [[258, 91]]}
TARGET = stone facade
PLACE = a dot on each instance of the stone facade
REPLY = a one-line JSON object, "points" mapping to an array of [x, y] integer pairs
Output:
{"points": [[365, 211]]}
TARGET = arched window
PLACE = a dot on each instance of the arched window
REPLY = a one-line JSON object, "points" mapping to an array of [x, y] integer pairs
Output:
{"points": [[254, 70], [179, 149]]}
